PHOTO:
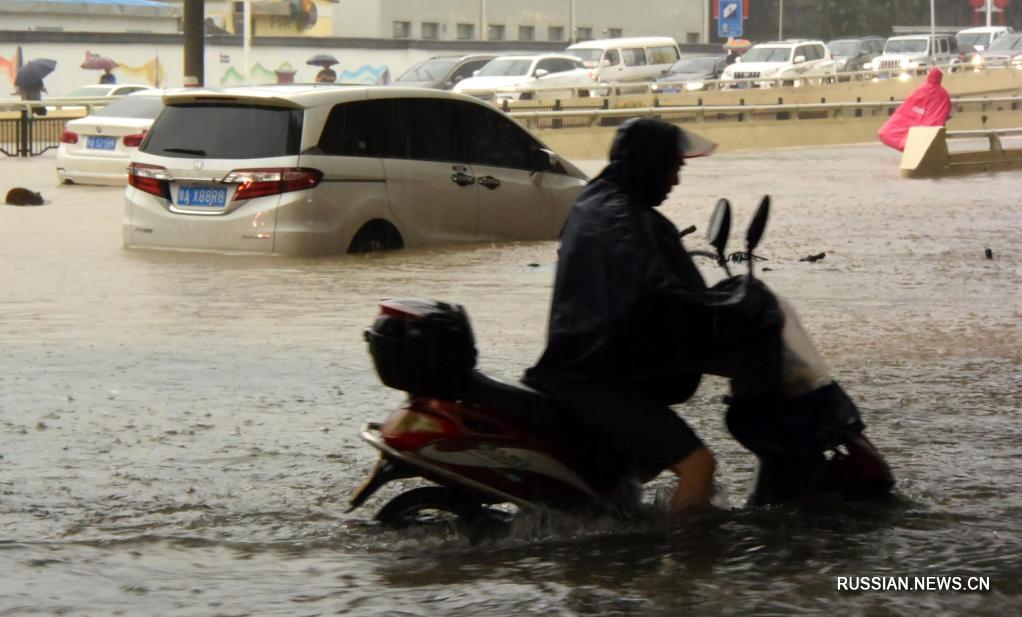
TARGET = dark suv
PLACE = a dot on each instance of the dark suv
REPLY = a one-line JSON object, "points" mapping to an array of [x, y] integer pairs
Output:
{"points": [[851, 54], [442, 72]]}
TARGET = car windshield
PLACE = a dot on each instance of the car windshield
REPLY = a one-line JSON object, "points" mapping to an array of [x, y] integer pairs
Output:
{"points": [[697, 64], [430, 70], [972, 39], [589, 57], [90, 91], [843, 48], [506, 68], [767, 54], [1004, 43], [225, 131], [133, 107], [905, 46]]}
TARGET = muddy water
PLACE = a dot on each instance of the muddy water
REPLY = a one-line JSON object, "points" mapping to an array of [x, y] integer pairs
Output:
{"points": [[179, 431]]}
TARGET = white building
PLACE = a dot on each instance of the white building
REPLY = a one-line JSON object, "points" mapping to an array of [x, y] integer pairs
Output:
{"points": [[521, 20]]}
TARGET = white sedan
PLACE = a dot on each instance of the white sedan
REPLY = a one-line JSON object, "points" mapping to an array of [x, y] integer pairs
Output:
{"points": [[514, 76], [96, 149]]}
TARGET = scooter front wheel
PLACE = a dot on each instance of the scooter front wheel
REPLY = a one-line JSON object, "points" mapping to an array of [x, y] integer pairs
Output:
{"points": [[442, 506]]}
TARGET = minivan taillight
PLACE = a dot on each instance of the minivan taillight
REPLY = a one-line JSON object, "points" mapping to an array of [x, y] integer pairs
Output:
{"points": [[152, 179], [272, 181], [68, 137], [134, 141]]}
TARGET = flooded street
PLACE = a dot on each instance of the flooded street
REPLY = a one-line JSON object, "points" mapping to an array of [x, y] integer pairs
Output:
{"points": [[180, 431]]}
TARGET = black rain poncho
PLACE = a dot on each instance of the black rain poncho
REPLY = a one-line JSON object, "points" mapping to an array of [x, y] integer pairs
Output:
{"points": [[629, 306]]}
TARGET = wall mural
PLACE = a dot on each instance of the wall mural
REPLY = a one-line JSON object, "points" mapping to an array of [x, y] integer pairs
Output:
{"points": [[9, 66], [285, 74], [151, 72]]}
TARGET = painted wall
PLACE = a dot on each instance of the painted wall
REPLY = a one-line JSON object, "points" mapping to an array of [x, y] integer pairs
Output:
{"points": [[163, 65]]}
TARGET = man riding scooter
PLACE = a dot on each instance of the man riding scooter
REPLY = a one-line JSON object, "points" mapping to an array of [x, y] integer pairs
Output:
{"points": [[633, 326]]}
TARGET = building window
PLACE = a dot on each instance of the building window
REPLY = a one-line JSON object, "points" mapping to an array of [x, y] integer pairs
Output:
{"points": [[430, 30], [495, 32], [402, 29], [555, 33], [526, 33], [692, 38], [615, 33], [466, 32], [583, 34]]}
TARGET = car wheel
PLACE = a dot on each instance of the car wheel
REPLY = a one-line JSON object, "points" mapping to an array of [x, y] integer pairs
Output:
{"points": [[375, 236]]}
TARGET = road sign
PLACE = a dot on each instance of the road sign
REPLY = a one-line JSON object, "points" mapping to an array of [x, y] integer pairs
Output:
{"points": [[729, 18]]}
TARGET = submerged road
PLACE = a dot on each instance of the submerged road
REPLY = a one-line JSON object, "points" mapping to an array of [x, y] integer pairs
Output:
{"points": [[179, 431]]}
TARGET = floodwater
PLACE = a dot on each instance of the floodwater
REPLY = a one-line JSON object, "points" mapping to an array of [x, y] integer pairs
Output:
{"points": [[180, 431]]}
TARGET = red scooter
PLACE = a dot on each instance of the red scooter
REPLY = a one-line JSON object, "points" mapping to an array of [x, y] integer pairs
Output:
{"points": [[482, 442]]}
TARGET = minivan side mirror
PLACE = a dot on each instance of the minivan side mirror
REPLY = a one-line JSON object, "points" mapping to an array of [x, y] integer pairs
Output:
{"points": [[799, 59], [542, 160], [541, 73], [475, 73]]}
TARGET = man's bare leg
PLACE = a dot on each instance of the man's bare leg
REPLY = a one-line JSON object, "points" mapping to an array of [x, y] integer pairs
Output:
{"points": [[695, 481]]}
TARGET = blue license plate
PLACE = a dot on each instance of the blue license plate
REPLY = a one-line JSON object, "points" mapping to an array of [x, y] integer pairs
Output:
{"points": [[202, 196], [101, 143]]}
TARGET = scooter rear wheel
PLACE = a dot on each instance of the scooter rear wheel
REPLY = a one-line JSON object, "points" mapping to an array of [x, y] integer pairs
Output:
{"points": [[439, 506]]}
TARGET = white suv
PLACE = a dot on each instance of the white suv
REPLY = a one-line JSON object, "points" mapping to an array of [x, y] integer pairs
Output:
{"points": [[317, 170], [915, 52], [792, 62]]}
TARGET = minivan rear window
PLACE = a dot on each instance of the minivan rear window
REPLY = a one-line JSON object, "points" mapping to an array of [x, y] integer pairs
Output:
{"points": [[218, 131]]}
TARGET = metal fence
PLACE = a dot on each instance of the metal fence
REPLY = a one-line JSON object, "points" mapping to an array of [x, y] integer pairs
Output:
{"points": [[30, 128]]}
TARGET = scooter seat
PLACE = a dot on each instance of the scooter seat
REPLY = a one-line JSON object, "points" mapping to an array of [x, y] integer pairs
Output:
{"points": [[518, 403]]}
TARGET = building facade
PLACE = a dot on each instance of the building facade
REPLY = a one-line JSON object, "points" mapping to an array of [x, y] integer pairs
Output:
{"points": [[559, 21]]}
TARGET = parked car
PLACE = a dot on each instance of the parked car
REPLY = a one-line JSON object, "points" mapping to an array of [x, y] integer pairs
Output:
{"points": [[690, 73], [300, 170], [442, 72], [852, 54], [627, 59], [513, 75], [96, 149], [978, 39], [101, 90], [1006, 51], [792, 62], [915, 52]]}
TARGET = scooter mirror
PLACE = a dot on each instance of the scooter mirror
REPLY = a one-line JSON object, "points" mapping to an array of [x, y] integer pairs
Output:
{"points": [[758, 224], [720, 227]]}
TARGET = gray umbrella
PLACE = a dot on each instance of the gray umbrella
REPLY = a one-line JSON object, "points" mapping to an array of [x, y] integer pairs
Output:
{"points": [[323, 60], [34, 71]]}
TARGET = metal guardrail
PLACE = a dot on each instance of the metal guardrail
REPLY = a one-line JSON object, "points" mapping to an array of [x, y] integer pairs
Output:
{"points": [[611, 89], [27, 128], [602, 116], [993, 136]]}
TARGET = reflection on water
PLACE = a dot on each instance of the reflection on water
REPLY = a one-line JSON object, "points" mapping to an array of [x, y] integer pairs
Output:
{"points": [[180, 430]]}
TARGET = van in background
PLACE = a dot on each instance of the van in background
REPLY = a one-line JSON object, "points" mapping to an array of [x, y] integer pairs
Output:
{"points": [[627, 59]]}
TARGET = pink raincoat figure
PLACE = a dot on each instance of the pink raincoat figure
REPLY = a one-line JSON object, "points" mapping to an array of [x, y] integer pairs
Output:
{"points": [[929, 105]]}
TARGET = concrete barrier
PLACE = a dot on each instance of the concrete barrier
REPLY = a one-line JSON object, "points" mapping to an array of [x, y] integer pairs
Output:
{"points": [[927, 155]]}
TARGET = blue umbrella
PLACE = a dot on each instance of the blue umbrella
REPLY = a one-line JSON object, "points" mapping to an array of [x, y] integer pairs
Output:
{"points": [[34, 71]]}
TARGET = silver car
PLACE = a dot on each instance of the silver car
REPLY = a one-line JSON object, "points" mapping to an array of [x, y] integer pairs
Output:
{"points": [[320, 170]]}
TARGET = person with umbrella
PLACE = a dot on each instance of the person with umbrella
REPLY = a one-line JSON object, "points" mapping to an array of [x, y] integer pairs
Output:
{"points": [[326, 75], [95, 62], [29, 81]]}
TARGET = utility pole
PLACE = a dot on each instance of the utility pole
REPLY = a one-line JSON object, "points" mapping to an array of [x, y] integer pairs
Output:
{"points": [[482, 21], [246, 43], [571, 22], [989, 2], [780, 21], [193, 25], [933, 26]]}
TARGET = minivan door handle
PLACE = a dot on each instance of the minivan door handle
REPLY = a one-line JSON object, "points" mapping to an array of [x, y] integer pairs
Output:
{"points": [[462, 179], [489, 182]]}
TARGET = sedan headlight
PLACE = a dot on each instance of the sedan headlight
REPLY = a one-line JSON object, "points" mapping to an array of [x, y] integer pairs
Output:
{"points": [[841, 63], [977, 60], [771, 72], [868, 66], [694, 85]]}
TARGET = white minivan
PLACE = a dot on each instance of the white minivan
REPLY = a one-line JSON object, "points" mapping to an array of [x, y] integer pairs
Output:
{"points": [[627, 59], [319, 170]]}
